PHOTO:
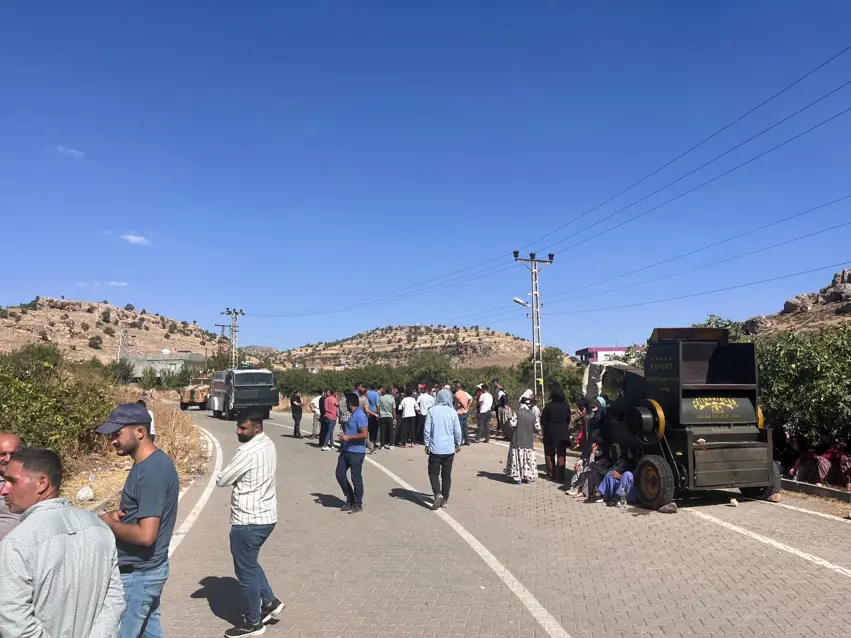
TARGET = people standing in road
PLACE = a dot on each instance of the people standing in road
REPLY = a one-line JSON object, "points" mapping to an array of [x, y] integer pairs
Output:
{"points": [[59, 566], [331, 406], [296, 408], [373, 415], [153, 427], [386, 419], [521, 464], [343, 415], [363, 403], [253, 515], [555, 423], [9, 444], [409, 409], [323, 422], [424, 401], [485, 402], [317, 415], [502, 409], [145, 520], [352, 453], [442, 437], [462, 404]]}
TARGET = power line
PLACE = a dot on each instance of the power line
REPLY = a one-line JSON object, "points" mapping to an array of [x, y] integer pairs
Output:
{"points": [[703, 293], [672, 259], [380, 297]]}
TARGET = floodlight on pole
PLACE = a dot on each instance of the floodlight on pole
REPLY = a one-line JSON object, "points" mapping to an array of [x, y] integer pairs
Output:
{"points": [[519, 301]]}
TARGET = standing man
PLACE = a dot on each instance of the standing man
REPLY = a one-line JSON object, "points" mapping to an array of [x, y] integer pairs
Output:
{"points": [[296, 407], [317, 415], [145, 520], [253, 515], [485, 401], [363, 404], [425, 401], [9, 444], [331, 406], [462, 404], [323, 423], [352, 453], [59, 566], [373, 417], [386, 414], [442, 436]]}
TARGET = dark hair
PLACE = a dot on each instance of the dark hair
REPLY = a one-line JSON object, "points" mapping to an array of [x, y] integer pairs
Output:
{"points": [[484, 387], [460, 385], [614, 452], [408, 392], [352, 399], [255, 415], [372, 386], [142, 403], [43, 461]]}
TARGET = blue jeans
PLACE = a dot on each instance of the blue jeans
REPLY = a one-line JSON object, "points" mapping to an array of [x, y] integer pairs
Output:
{"points": [[353, 461], [465, 430], [611, 487], [245, 544], [142, 592], [329, 433]]}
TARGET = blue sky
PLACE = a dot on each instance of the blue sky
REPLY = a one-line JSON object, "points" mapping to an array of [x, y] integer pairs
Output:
{"points": [[288, 158]]}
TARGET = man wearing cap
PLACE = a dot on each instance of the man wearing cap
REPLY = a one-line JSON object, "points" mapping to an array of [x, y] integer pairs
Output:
{"points": [[145, 520]]}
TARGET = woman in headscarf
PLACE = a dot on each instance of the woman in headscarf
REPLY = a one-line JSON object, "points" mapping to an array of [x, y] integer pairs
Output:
{"points": [[521, 464], [555, 423]]}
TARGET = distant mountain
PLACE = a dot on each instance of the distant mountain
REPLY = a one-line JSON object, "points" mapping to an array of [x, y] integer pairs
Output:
{"points": [[394, 345], [75, 326]]}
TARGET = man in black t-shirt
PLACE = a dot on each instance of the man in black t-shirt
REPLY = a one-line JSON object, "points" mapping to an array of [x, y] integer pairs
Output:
{"points": [[296, 407]]}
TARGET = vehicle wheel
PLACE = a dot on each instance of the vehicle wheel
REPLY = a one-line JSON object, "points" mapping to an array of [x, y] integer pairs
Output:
{"points": [[217, 414], [228, 412], [182, 406], [654, 481], [763, 493], [267, 412]]}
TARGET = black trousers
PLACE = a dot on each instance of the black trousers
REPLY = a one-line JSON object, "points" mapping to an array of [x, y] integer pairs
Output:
{"points": [[419, 435], [297, 426], [440, 467], [406, 432], [385, 429], [323, 429], [372, 428]]}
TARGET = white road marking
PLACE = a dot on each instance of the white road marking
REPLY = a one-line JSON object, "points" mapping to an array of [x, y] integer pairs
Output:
{"points": [[804, 510], [180, 534], [547, 621], [815, 560]]}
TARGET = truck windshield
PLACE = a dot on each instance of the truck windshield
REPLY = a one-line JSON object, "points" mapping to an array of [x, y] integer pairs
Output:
{"points": [[253, 378]]}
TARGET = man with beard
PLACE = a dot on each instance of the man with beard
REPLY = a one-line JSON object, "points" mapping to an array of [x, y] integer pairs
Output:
{"points": [[145, 520], [9, 444], [59, 566], [253, 515]]}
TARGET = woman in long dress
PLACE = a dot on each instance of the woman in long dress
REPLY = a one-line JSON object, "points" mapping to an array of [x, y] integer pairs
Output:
{"points": [[521, 464], [555, 418]]}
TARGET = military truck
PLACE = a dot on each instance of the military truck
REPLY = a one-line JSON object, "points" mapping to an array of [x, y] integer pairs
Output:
{"points": [[693, 415], [196, 393], [235, 390]]}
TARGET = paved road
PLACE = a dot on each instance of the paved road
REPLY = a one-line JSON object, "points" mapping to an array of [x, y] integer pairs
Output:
{"points": [[506, 560]]}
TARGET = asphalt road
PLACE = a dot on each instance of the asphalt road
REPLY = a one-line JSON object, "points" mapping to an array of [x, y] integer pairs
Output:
{"points": [[502, 559]]}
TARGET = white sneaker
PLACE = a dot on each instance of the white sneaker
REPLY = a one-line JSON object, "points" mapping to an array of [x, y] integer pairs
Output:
{"points": [[326, 449]]}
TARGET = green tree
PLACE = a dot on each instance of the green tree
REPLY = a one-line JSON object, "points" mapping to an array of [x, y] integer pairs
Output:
{"points": [[95, 342], [149, 379], [130, 307], [429, 367]]}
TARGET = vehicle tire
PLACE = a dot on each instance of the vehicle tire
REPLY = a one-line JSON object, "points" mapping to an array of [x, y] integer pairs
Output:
{"points": [[217, 414], [182, 406], [267, 413], [763, 493], [228, 412], [654, 481]]}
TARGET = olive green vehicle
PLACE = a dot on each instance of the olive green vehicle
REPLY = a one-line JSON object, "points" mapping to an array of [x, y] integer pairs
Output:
{"points": [[693, 413], [196, 393]]}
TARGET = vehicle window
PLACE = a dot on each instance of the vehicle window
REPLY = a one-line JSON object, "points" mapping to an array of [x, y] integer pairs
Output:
{"points": [[253, 378]]}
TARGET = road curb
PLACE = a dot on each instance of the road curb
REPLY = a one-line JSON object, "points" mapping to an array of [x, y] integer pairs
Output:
{"points": [[816, 490]]}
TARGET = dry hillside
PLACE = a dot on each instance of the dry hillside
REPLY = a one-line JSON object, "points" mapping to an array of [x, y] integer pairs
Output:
{"points": [[809, 312], [394, 345], [73, 324]]}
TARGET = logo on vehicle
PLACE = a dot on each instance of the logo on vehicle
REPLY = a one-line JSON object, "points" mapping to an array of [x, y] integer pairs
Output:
{"points": [[715, 406]]}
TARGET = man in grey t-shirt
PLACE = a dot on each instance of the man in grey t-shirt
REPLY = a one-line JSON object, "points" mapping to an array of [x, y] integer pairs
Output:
{"points": [[145, 521], [9, 444]]}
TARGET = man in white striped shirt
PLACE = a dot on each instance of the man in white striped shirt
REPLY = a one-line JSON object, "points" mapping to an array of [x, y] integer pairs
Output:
{"points": [[253, 514]]}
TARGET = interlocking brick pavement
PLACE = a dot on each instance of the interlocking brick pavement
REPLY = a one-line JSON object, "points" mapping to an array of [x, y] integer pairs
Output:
{"points": [[397, 569]]}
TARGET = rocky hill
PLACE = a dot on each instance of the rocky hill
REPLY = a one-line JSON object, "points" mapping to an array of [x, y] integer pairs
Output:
{"points": [[394, 345], [809, 312], [84, 329]]}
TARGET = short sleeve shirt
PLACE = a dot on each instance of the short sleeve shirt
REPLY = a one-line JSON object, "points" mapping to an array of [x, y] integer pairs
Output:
{"points": [[356, 422], [373, 398], [150, 491]]}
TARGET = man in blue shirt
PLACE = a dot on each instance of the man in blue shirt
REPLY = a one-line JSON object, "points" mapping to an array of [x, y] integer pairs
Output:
{"points": [[352, 453], [442, 437]]}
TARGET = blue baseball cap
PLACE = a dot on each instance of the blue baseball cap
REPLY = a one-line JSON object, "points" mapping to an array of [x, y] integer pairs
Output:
{"points": [[124, 415]]}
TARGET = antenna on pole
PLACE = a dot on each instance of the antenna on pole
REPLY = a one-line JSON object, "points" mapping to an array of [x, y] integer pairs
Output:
{"points": [[535, 266], [234, 334]]}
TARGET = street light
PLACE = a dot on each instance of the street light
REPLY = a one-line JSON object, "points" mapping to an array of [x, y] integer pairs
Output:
{"points": [[519, 301]]}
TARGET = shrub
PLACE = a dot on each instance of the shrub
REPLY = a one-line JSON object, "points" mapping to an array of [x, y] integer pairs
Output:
{"points": [[16, 316], [105, 302], [130, 307], [144, 311], [172, 328], [167, 335], [24, 311], [90, 310], [147, 327], [84, 327], [95, 342], [4, 314], [65, 316], [109, 330], [43, 335], [203, 342], [105, 316]]}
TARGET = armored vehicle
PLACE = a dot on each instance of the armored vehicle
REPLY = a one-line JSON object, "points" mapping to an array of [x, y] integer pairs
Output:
{"points": [[235, 390], [693, 414], [196, 393]]}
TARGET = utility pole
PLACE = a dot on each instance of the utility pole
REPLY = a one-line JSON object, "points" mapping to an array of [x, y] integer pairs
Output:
{"points": [[535, 266], [123, 341], [234, 333], [220, 347]]}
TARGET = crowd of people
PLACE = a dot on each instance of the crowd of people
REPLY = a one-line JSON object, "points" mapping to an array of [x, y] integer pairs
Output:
{"points": [[826, 462]]}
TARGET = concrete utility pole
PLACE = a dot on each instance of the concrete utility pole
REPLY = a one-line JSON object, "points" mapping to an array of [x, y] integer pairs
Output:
{"points": [[123, 341], [234, 333], [220, 347], [535, 266]]}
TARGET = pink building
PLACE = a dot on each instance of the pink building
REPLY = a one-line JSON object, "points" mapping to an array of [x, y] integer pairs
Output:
{"points": [[599, 354]]}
